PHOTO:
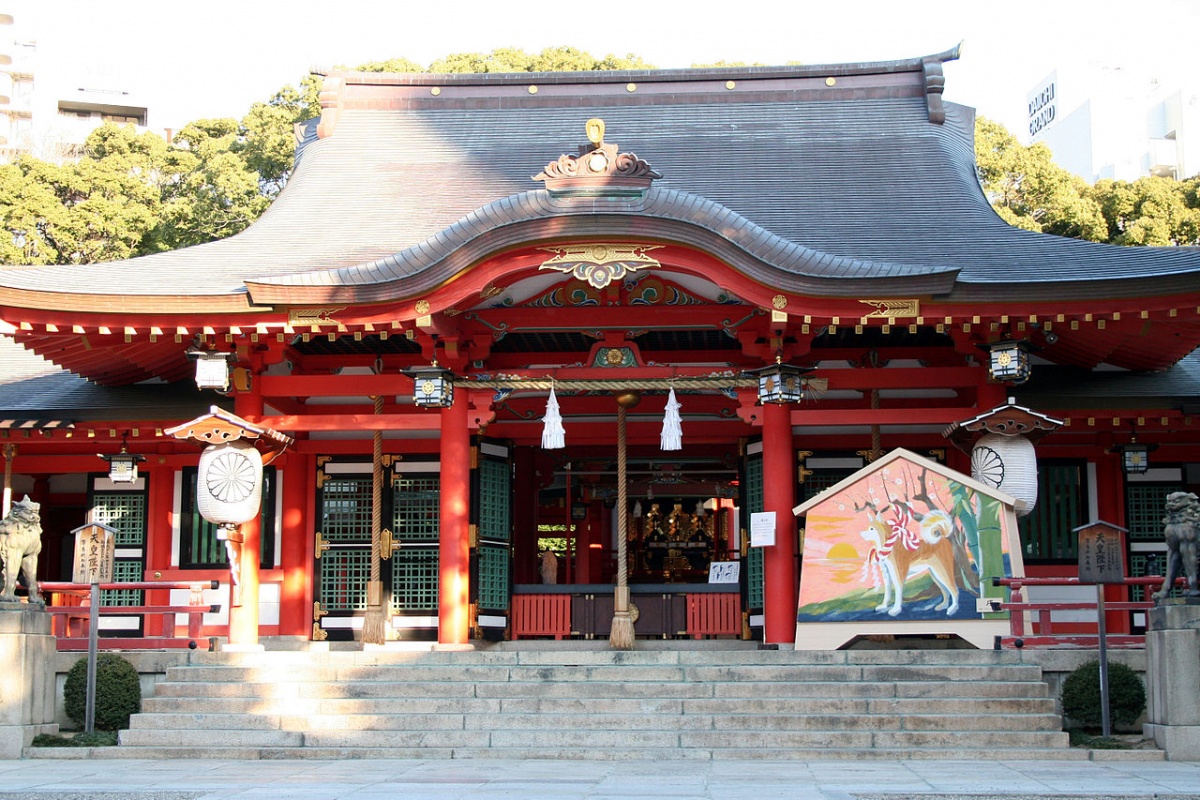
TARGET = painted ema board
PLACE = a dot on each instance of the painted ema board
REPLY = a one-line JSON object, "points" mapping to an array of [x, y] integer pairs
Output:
{"points": [[905, 546]]}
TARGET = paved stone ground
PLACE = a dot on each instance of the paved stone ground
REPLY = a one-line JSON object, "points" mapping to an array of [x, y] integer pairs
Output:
{"points": [[545, 780]]}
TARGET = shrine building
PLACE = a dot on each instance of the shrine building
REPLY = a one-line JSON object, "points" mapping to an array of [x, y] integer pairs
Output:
{"points": [[801, 258]]}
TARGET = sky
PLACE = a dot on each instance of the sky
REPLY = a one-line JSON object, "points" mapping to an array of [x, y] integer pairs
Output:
{"points": [[189, 60]]}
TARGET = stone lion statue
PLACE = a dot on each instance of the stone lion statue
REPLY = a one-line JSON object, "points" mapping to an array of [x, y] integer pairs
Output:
{"points": [[20, 543], [1181, 527]]}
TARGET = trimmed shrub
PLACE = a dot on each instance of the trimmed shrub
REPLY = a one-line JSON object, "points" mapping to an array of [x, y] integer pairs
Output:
{"points": [[1081, 696], [118, 692], [96, 739]]}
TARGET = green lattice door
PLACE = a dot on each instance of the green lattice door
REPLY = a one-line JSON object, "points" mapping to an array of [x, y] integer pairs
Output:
{"points": [[415, 516], [491, 513], [752, 563], [1145, 505], [411, 510], [123, 507], [343, 566]]}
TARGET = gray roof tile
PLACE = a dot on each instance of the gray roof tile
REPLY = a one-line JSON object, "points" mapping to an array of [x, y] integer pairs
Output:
{"points": [[817, 189]]}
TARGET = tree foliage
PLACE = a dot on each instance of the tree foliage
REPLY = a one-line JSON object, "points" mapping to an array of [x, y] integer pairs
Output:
{"points": [[130, 194], [1028, 190]]}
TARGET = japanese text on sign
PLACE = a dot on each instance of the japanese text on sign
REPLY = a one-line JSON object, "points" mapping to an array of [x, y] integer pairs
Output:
{"points": [[1101, 551]]}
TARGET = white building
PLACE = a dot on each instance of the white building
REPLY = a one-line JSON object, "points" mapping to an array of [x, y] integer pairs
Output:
{"points": [[1118, 123], [49, 113]]}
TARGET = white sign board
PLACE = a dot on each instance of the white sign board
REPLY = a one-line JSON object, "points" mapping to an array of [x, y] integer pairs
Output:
{"points": [[724, 571], [762, 529]]}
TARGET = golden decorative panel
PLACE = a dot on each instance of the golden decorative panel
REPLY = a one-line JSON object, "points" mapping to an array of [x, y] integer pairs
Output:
{"points": [[898, 307], [313, 316], [600, 263]]}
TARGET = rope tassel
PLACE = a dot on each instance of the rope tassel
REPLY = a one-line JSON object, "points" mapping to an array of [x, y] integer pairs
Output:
{"points": [[672, 431], [553, 435]]}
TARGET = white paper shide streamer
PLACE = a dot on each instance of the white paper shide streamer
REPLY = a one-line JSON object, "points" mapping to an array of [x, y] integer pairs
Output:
{"points": [[553, 435], [672, 432]]}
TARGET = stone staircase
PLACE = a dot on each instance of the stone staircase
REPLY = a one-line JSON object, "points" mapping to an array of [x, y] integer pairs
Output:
{"points": [[522, 702]]}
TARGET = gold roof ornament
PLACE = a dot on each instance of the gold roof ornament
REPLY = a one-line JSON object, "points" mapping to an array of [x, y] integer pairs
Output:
{"points": [[598, 170]]}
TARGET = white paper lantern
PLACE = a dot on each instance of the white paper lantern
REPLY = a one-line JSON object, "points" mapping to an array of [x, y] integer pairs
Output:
{"points": [[1008, 463], [229, 483]]}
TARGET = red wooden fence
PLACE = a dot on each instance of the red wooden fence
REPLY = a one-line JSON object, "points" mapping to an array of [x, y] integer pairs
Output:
{"points": [[71, 621], [714, 615], [541, 615]]}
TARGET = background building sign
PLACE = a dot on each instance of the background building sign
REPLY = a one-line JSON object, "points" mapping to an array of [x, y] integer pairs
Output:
{"points": [[1043, 106]]}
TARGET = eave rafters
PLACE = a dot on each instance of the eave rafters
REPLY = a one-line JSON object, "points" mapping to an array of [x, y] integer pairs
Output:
{"points": [[1139, 333]]}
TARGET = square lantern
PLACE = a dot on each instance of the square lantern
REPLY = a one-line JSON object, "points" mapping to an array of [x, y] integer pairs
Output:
{"points": [[212, 369], [433, 386], [1135, 458], [780, 383], [123, 466], [1010, 361]]}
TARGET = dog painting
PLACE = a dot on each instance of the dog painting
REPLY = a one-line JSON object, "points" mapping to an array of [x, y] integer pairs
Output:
{"points": [[20, 544], [904, 539], [900, 550]]}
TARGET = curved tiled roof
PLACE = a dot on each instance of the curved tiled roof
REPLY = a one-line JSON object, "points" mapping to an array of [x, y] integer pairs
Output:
{"points": [[825, 191]]}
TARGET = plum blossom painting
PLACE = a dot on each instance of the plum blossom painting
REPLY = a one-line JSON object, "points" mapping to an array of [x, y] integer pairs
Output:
{"points": [[905, 539]]}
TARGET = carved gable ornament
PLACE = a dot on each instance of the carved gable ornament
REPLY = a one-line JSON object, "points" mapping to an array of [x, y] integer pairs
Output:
{"points": [[598, 169]]}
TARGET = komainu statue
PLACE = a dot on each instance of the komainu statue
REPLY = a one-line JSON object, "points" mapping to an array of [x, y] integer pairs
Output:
{"points": [[1181, 527], [20, 543]]}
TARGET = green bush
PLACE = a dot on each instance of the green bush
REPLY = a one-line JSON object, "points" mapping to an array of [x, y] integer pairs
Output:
{"points": [[118, 692], [1081, 696], [97, 739]]}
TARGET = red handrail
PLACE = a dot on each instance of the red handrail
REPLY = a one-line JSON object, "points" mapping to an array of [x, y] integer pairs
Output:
{"points": [[75, 637], [1042, 628]]}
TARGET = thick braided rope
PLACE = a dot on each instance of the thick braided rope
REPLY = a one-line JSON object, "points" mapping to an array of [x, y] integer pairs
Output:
{"points": [[622, 501], [376, 495]]}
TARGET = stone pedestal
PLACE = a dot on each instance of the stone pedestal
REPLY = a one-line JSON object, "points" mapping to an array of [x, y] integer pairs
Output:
{"points": [[27, 688], [1173, 679]]}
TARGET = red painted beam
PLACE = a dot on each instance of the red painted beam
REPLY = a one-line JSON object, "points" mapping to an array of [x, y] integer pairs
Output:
{"points": [[903, 378], [834, 417], [353, 422], [334, 385]]}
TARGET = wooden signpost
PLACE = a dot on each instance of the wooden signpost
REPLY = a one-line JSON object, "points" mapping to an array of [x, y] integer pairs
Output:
{"points": [[1101, 561], [95, 548]]}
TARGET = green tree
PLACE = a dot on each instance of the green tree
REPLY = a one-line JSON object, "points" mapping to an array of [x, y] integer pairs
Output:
{"points": [[551, 59], [213, 192], [30, 213], [266, 135], [1150, 211], [1028, 190]]}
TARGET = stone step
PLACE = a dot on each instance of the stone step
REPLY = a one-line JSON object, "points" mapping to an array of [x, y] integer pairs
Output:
{"points": [[574, 653], [601, 704], [559, 754], [422, 673]]}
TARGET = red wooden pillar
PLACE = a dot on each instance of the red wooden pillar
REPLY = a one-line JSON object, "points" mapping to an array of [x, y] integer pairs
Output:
{"points": [[1110, 507], [779, 495], [293, 557], [454, 548], [243, 618], [160, 506]]}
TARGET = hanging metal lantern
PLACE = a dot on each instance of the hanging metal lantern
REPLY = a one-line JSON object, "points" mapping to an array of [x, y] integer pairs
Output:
{"points": [[780, 383], [123, 466], [212, 369], [433, 386], [1010, 361], [1007, 463], [1135, 458], [229, 483]]}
